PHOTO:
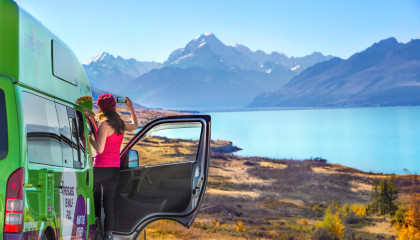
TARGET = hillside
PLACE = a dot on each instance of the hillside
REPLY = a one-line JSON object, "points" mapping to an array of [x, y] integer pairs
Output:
{"points": [[271, 197], [385, 74]]}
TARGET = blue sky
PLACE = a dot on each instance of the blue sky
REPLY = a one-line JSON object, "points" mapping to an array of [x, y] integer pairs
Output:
{"points": [[151, 30]]}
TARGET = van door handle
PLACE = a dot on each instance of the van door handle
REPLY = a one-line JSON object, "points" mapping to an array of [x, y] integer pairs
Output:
{"points": [[149, 180]]}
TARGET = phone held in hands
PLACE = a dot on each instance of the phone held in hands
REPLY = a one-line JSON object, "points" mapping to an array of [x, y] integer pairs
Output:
{"points": [[121, 100]]}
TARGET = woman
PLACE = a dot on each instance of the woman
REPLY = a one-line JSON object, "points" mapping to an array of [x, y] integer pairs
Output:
{"points": [[106, 164]]}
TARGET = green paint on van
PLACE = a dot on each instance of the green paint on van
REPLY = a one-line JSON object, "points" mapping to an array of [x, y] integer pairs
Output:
{"points": [[51, 192], [9, 25]]}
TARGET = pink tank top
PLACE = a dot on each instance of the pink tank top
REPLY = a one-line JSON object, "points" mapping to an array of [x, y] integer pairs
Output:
{"points": [[110, 157]]}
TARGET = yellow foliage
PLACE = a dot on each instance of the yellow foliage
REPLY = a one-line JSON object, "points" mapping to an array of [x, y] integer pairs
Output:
{"points": [[240, 226], [333, 223], [410, 229], [359, 210], [304, 222], [215, 223]]}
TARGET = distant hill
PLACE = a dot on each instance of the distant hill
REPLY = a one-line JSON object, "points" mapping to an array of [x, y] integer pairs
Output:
{"points": [[114, 73], [97, 92], [385, 74], [205, 73]]}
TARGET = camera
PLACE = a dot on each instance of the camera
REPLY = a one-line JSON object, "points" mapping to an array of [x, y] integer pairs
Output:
{"points": [[121, 100]]}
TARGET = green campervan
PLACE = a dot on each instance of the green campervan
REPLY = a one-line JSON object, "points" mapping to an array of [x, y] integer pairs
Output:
{"points": [[46, 177]]}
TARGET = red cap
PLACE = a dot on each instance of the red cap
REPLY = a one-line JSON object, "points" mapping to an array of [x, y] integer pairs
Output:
{"points": [[106, 102]]}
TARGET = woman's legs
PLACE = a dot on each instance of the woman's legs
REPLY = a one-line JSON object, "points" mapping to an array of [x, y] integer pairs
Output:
{"points": [[109, 189], [105, 179]]}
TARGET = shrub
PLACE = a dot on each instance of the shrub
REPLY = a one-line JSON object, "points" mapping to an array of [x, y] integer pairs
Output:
{"points": [[409, 227], [358, 209], [240, 226], [332, 220], [353, 219], [323, 234]]}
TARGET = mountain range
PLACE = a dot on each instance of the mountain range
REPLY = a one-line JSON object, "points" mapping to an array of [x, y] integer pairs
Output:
{"points": [[385, 74], [205, 73]]}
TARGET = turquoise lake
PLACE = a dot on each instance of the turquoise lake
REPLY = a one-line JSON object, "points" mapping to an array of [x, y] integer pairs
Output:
{"points": [[370, 139]]}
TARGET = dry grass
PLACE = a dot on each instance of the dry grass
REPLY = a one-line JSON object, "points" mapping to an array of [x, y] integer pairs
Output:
{"points": [[382, 226], [235, 171], [340, 169], [359, 186], [273, 165], [169, 230], [230, 193]]}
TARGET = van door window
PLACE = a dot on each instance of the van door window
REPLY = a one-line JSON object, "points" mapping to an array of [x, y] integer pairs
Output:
{"points": [[42, 129], [81, 138], [75, 137], [169, 143], [65, 130], [3, 126]]}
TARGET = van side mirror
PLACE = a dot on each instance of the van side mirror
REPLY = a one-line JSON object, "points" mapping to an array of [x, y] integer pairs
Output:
{"points": [[133, 159]]}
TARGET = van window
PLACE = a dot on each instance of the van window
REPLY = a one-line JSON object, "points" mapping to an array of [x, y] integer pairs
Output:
{"points": [[169, 143], [4, 142], [81, 136], [71, 140], [65, 130], [42, 129], [63, 63]]}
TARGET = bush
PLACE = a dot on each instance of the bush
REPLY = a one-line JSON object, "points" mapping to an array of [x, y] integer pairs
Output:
{"points": [[323, 234], [410, 228], [353, 219], [358, 209], [332, 220], [240, 226]]}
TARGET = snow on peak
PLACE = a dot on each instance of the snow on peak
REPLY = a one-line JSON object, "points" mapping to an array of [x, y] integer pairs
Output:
{"points": [[204, 36], [100, 57], [295, 68], [202, 44]]}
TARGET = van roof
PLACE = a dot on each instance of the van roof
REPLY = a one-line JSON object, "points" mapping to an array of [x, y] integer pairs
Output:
{"points": [[33, 56]]}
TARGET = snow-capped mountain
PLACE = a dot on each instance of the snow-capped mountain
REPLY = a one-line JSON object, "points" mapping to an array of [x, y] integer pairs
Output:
{"points": [[208, 52], [115, 73], [205, 73], [385, 74]]}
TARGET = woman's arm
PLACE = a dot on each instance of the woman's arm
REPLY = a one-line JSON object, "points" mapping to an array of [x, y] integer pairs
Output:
{"points": [[102, 134], [134, 125]]}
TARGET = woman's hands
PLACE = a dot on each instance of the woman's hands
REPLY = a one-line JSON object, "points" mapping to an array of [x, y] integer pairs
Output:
{"points": [[129, 103], [134, 125]]}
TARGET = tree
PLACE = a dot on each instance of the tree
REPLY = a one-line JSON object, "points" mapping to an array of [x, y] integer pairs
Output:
{"points": [[385, 194]]}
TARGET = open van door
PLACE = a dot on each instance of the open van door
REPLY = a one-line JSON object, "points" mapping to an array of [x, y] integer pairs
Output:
{"points": [[163, 174]]}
